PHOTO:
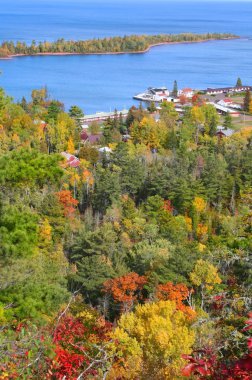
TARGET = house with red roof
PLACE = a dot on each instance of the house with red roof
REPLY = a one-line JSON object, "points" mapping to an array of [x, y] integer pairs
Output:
{"points": [[72, 161], [227, 102], [187, 92]]}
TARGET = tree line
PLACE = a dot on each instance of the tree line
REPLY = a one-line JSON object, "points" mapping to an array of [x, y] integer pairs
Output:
{"points": [[126, 44]]}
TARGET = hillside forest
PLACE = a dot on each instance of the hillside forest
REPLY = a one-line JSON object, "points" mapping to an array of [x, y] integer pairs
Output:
{"points": [[130, 262]]}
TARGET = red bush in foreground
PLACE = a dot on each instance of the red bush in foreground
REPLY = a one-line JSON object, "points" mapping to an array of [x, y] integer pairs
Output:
{"points": [[205, 365]]}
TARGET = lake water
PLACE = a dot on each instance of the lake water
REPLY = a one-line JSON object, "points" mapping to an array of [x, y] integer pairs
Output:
{"points": [[101, 83]]}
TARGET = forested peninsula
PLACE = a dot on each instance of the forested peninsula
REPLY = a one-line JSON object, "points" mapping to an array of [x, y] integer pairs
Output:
{"points": [[111, 45]]}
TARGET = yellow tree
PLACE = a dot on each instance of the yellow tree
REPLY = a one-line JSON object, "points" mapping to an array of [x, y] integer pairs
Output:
{"points": [[198, 207], [199, 204], [168, 114], [158, 334], [198, 119], [45, 234], [60, 132], [205, 276], [148, 132], [250, 107], [70, 146]]}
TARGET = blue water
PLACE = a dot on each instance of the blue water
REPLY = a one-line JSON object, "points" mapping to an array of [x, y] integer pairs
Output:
{"points": [[101, 83]]}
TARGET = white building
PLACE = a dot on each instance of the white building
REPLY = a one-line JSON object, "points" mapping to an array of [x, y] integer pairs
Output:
{"points": [[187, 92]]}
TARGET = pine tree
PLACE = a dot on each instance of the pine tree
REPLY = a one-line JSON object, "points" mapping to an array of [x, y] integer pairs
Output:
{"points": [[228, 121], [152, 107], [238, 82], [175, 89], [75, 112], [24, 104], [247, 100]]}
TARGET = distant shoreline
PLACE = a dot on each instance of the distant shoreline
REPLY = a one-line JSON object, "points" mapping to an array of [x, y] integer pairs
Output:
{"points": [[119, 52]]}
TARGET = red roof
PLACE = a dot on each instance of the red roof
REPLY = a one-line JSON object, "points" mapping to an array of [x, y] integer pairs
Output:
{"points": [[74, 163], [84, 135]]}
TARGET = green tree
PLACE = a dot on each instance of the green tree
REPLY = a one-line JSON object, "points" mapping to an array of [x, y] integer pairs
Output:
{"points": [[228, 121], [205, 276], [107, 187], [35, 287], [76, 113], [89, 153], [149, 258], [24, 104], [152, 107], [246, 101], [238, 82], [175, 89], [132, 172], [97, 256], [211, 119], [39, 96], [28, 169], [53, 110], [18, 232]]}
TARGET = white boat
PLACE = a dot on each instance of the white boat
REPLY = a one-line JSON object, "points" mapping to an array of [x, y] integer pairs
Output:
{"points": [[153, 94]]}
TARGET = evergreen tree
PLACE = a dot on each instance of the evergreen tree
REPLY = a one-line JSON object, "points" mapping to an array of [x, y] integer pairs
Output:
{"points": [[132, 172], [228, 121], [238, 82], [247, 100], [107, 188], [130, 116], [75, 112], [152, 108], [53, 110], [24, 104], [175, 89]]}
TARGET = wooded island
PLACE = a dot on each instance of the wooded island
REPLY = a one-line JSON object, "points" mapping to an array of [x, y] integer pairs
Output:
{"points": [[111, 45]]}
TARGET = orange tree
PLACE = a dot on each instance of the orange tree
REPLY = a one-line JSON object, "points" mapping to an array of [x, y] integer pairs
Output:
{"points": [[178, 293], [125, 289]]}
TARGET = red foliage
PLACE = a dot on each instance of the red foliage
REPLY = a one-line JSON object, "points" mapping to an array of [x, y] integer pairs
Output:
{"points": [[125, 289], [69, 330], [197, 101], [204, 364], [168, 206], [250, 344], [74, 347], [198, 366], [218, 302], [67, 364], [68, 202], [248, 323], [183, 99]]}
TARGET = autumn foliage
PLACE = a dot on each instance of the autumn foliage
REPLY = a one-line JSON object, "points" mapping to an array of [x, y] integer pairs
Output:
{"points": [[178, 293], [126, 289], [205, 364], [76, 341], [68, 202]]}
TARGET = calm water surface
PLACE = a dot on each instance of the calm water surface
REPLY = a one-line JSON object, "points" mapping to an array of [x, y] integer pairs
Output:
{"points": [[101, 83]]}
